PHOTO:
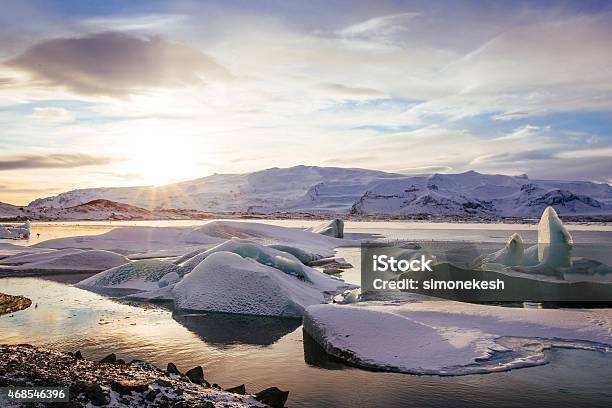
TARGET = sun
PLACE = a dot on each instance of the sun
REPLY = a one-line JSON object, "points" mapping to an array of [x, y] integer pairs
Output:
{"points": [[158, 162]]}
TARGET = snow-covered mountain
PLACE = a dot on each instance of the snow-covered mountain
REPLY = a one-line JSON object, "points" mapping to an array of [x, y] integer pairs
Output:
{"points": [[358, 191], [98, 209]]}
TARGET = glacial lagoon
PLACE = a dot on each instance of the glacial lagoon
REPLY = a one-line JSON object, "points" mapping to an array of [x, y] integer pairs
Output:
{"points": [[263, 352]]}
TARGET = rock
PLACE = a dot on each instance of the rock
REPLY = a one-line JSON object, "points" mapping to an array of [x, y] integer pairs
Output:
{"points": [[151, 395], [120, 361], [172, 369], [240, 389], [125, 387], [163, 383], [273, 397], [196, 375], [78, 355], [96, 394], [208, 404], [111, 358]]}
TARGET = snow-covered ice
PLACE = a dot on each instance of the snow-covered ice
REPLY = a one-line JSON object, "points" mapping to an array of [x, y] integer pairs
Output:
{"points": [[452, 338], [20, 259], [333, 228], [84, 261], [265, 255], [227, 282], [140, 275], [140, 242], [9, 231]]}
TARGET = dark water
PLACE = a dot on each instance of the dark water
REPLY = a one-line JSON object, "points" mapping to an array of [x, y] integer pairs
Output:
{"points": [[264, 352]]}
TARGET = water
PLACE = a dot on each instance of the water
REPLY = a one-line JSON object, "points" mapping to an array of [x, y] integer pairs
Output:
{"points": [[264, 352]]}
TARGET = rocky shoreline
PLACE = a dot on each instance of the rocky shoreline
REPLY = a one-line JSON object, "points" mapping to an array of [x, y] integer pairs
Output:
{"points": [[10, 303], [112, 382]]}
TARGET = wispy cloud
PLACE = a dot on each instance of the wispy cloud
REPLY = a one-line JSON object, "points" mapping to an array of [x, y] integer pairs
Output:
{"points": [[52, 114], [52, 161]]}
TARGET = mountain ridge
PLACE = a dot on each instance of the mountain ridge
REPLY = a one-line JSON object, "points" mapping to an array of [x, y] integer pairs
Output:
{"points": [[358, 192]]}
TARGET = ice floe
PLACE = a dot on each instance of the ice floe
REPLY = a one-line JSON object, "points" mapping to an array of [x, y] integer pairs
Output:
{"points": [[227, 282], [452, 338], [143, 242], [140, 275], [69, 262], [10, 231]]}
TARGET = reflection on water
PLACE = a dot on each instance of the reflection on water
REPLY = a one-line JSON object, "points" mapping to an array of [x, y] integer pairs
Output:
{"points": [[224, 329], [263, 352], [275, 354]]}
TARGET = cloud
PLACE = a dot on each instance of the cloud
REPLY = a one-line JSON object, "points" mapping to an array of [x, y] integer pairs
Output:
{"points": [[380, 28], [514, 157], [351, 91], [52, 114], [116, 64], [52, 161]]}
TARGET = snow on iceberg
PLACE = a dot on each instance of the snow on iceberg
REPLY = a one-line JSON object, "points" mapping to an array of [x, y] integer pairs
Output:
{"points": [[248, 249], [226, 282], [333, 228], [305, 257], [142, 242], [20, 259], [84, 261], [140, 275], [452, 338]]}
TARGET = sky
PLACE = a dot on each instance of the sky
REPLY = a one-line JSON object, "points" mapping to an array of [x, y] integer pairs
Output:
{"points": [[120, 93]]}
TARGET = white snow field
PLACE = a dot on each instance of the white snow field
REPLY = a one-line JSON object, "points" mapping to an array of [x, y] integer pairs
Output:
{"points": [[143, 242], [71, 262], [430, 336], [227, 282]]}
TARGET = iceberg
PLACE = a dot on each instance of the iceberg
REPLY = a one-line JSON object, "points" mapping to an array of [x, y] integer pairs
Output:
{"points": [[24, 258], [139, 275], [9, 231], [509, 255], [530, 256], [305, 257], [283, 261], [227, 282], [554, 240], [333, 228], [145, 242], [83, 261], [451, 338], [168, 279]]}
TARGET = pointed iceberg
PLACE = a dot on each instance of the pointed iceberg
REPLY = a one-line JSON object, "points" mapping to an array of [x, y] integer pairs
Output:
{"points": [[554, 241]]}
